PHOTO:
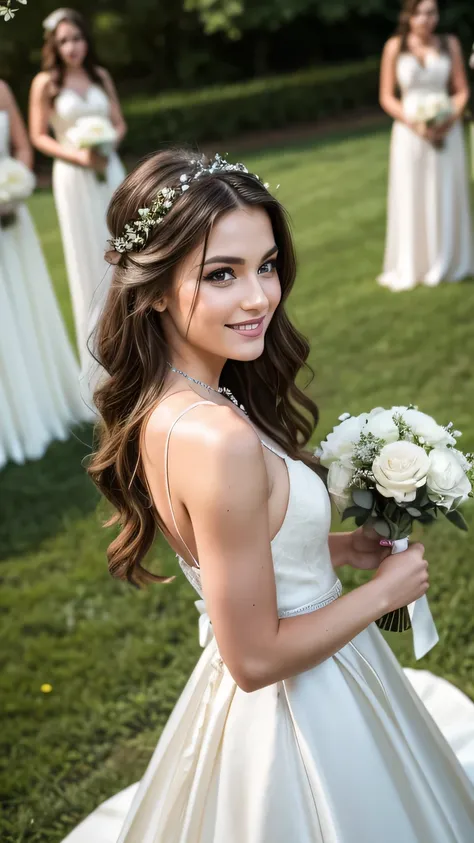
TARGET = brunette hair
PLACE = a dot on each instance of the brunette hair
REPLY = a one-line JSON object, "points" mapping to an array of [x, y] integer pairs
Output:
{"points": [[409, 8], [51, 61], [130, 345]]}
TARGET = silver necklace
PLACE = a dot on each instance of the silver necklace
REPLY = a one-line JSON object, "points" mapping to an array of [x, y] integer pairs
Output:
{"points": [[221, 390]]}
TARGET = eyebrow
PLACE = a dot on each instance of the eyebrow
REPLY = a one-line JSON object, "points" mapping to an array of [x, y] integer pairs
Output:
{"points": [[241, 261]]}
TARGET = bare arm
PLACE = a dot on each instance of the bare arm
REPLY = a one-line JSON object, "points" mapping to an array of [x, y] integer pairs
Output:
{"points": [[389, 102], [226, 496], [40, 109], [459, 83], [116, 115], [21, 146]]}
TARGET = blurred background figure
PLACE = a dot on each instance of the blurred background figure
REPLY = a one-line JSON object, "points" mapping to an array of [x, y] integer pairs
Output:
{"points": [[429, 233], [71, 88], [39, 389]]}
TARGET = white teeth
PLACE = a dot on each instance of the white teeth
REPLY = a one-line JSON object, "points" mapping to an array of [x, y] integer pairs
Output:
{"points": [[251, 327]]}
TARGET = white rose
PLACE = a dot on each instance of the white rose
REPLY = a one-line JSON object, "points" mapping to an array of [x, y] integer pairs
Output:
{"points": [[381, 425], [339, 445], [426, 427], [447, 481], [339, 477], [400, 469]]}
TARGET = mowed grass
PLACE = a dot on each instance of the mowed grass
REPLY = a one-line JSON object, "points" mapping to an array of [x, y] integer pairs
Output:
{"points": [[117, 658]]}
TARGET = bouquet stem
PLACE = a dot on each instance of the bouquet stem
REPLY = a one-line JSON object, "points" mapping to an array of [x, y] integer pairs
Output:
{"points": [[399, 619]]}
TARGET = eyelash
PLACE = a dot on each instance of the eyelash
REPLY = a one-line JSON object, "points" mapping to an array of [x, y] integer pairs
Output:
{"points": [[212, 275]]}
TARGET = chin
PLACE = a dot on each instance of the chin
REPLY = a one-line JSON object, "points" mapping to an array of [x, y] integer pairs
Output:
{"points": [[252, 351]]}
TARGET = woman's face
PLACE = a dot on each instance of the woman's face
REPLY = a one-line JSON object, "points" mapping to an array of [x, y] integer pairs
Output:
{"points": [[238, 293], [425, 19], [71, 44]]}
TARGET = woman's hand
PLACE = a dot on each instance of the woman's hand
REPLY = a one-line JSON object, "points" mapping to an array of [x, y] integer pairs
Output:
{"points": [[91, 159], [367, 550]]}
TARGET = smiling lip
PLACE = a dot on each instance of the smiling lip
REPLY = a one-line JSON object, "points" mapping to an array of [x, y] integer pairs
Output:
{"points": [[251, 328]]}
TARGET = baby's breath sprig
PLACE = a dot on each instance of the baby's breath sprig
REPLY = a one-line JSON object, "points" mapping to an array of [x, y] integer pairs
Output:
{"points": [[136, 233], [6, 11], [365, 451]]}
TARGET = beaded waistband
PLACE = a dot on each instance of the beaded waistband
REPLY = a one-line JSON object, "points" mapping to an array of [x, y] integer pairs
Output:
{"points": [[334, 592]]}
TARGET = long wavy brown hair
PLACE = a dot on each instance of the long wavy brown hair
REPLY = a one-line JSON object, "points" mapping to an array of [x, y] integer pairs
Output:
{"points": [[130, 344], [51, 61]]}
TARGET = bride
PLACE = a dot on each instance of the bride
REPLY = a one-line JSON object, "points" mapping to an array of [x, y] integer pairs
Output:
{"points": [[297, 723], [72, 85], [39, 390], [429, 231]]}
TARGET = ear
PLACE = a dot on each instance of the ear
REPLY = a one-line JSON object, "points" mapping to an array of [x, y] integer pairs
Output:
{"points": [[160, 305]]}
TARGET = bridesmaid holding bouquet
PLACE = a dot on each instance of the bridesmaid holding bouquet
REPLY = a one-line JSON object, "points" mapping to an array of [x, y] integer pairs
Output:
{"points": [[71, 88]]}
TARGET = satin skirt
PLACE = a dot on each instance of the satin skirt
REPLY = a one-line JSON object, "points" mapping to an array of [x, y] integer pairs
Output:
{"points": [[429, 230], [342, 753], [40, 398]]}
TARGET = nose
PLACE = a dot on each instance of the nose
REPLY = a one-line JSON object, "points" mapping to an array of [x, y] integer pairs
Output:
{"points": [[254, 297]]}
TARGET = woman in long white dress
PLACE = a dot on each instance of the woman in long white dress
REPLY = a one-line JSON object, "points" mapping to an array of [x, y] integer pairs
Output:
{"points": [[297, 723], [429, 231], [70, 86], [39, 389]]}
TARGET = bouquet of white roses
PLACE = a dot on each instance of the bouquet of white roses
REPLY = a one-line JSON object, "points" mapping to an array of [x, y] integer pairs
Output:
{"points": [[93, 132], [389, 468], [17, 183], [430, 109]]}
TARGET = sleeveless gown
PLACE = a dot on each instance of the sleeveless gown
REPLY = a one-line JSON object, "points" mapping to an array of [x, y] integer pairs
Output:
{"points": [[81, 203], [429, 230], [343, 753], [39, 375]]}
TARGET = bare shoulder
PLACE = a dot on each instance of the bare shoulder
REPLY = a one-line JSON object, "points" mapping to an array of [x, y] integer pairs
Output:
{"points": [[454, 44], [208, 431], [392, 46], [104, 75], [41, 82]]}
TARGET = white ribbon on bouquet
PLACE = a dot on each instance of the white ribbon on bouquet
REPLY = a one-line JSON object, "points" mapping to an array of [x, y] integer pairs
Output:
{"points": [[425, 634]]}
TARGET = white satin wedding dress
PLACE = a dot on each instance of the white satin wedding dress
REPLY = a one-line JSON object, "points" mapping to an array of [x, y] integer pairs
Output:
{"points": [[81, 203], [429, 230], [39, 377], [344, 753]]}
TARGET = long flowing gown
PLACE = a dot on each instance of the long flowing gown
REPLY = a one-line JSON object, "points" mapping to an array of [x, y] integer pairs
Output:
{"points": [[39, 377], [81, 203], [429, 229], [346, 752]]}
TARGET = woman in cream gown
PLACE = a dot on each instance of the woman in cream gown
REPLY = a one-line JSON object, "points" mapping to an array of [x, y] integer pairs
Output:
{"points": [[39, 387], [297, 745], [345, 751], [72, 86], [429, 231]]}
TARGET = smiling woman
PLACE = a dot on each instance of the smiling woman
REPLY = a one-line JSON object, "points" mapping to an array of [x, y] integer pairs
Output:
{"points": [[293, 673]]}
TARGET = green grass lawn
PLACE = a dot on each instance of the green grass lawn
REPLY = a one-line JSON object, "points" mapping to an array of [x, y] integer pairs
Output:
{"points": [[118, 658]]}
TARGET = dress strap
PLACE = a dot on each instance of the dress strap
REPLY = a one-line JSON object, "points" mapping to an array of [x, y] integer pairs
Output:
{"points": [[167, 481]]}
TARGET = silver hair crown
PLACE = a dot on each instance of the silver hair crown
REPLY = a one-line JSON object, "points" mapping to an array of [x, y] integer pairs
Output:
{"points": [[135, 234], [54, 19]]}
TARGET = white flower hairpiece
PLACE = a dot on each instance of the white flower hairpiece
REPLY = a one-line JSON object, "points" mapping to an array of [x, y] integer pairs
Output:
{"points": [[135, 234], [54, 19]]}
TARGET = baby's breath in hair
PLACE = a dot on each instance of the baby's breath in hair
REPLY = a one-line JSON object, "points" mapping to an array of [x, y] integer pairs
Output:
{"points": [[136, 233]]}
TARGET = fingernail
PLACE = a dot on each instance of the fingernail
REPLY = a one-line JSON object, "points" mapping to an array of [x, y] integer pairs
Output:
{"points": [[385, 543]]}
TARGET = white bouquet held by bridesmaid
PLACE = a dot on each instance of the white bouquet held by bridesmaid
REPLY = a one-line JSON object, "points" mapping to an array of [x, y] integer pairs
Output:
{"points": [[389, 468], [93, 132], [17, 183], [431, 109]]}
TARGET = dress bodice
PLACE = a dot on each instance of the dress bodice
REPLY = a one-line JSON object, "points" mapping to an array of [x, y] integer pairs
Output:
{"points": [[430, 78], [4, 133], [304, 575], [69, 106]]}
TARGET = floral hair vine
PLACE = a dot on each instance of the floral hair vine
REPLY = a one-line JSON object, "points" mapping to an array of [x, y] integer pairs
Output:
{"points": [[135, 234]]}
